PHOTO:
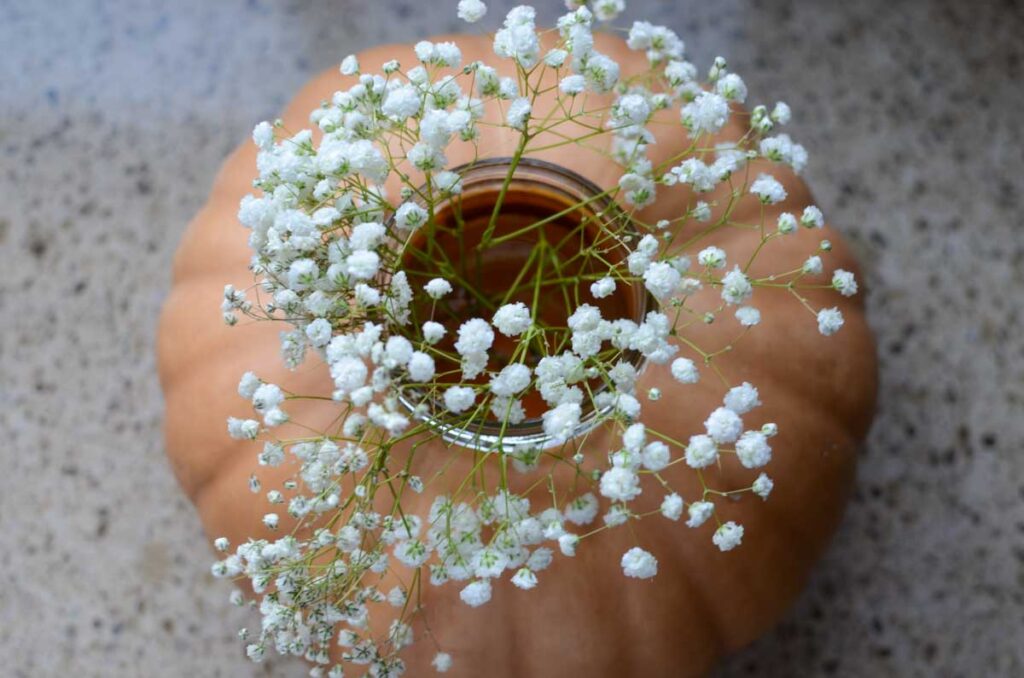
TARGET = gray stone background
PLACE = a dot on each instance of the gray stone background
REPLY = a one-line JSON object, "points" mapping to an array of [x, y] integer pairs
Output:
{"points": [[114, 117]]}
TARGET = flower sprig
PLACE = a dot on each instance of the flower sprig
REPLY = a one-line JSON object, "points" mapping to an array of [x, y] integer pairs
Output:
{"points": [[391, 295]]}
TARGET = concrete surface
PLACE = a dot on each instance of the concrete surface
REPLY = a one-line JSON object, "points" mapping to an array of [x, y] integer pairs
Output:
{"points": [[114, 117]]}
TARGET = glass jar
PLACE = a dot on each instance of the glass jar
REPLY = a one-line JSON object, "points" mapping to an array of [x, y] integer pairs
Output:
{"points": [[550, 215]]}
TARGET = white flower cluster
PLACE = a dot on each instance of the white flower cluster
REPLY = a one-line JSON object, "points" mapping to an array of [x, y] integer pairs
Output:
{"points": [[329, 249]]}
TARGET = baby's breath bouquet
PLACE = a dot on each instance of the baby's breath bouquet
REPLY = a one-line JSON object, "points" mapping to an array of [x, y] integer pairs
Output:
{"points": [[500, 312]]}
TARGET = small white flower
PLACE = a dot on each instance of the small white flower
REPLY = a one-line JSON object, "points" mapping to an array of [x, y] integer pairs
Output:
{"points": [[602, 288], [680, 74], [459, 398], [272, 455], [813, 265], [263, 136], [410, 216], [753, 450], [402, 102], [723, 425], [511, 380], [243, 429], [271, 520], [812, 217], [275, 417], [362, 264], [442, 661], [602, 72], [639, 564], [762, 487], [732, 88], [699, 512], [472, 364], [656, 456], [712, 257], [741, 399], [584, 319], [607, 10], [661, 279], [433, 331], [617, 515], [540, 559], [487, 81], [706, 114], [702, 211], [508, 88], [367, 235], [349, 373], [736, 287], [437, 288], [302, 274], [627, 404], [471, 11], [567, 544], [659, 42], [781, 113], [844, 282], [634, 437], [829, 321], [267, 397], [672, 506], [620, 484], [640, 191], [426, 158], [555, 58], [572, 84], [518, 113], [489, 562], [748, 316], [319, 332], [476, 593], [421, 367], [512, 319], [768, 189], [786, 223], [397, 352], [524, 579], [728, 536], [560, 422], [582, 510], [248, 384], [518, 39], [630, 109], [448, 182], [447, 54], [475, 336], [366, 295], [685, 371], [350, 65], [424, 50], [701, 451]]}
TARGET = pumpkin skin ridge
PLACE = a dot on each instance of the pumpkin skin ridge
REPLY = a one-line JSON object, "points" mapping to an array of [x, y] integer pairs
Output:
{"points": [[609, 644]]}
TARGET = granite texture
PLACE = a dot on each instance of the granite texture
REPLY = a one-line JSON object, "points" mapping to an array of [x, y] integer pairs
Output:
{"points": [[114, 117]]}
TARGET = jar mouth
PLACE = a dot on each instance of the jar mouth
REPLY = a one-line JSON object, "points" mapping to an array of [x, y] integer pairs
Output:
{"points": [[538, 188]]}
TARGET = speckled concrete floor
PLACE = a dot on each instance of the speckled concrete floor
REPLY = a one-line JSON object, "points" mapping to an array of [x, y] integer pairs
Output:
{"points": [[114, 117]]}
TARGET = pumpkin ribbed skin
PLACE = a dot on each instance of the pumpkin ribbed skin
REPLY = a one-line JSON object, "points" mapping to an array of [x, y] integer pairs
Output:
{"points": [[584, 616]]}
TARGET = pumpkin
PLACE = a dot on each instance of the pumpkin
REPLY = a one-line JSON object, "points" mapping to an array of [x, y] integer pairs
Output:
{"points": [[584, 616]]}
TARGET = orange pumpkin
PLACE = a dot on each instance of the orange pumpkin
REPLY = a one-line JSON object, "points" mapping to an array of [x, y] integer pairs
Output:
{"points": [[584, 616]]}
